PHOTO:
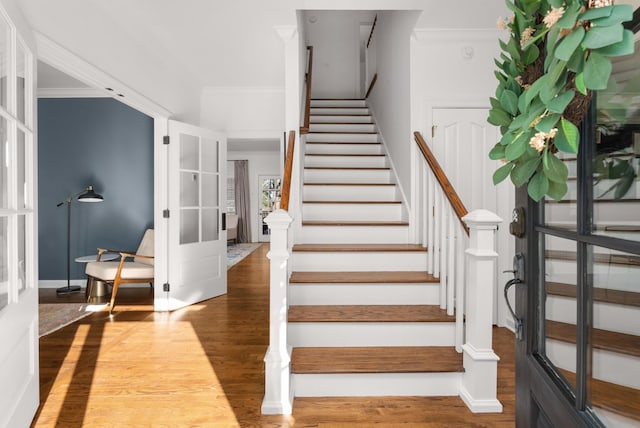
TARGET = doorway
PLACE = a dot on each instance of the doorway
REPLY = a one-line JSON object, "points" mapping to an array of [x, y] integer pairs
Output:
{"points": [[270, 190]]}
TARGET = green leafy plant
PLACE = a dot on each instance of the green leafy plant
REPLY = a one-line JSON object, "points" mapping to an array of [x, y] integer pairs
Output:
{"points": [[558, 51]]}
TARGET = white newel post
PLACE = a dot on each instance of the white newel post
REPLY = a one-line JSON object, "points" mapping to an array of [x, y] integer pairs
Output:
{"points": [[277, 398], [479, 382]]}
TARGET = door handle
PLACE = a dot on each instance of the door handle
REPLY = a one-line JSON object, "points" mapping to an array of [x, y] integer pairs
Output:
{"points": [[518, 278]]}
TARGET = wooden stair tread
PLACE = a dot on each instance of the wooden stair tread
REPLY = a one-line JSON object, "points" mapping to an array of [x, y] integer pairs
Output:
{"points": [[349, 184], [368, 313], [348, 167], [609, 396], [341, 114], [386, 359], [606, 295], [343, 142], [378, 155], [343, 132], [370, 248], [363, 277], [340, 123], [612, 259], [353, 202], [354, 223], [605, 340], [338, 99]]}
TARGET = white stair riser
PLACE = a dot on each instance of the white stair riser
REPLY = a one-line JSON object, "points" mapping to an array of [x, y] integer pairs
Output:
{"points": [[338, 111], [610, 419], [338, 103], [347, 161], [608, 366], [338, 137], [330, 334], [606, 316], [364, 294], [615, 277], [359, 262], [353, 235], [354, 149], [350, 193], [342, 127], [602, 187], [340, 119], [352, 212], [347, 175], [611, 211], [376, 384]]}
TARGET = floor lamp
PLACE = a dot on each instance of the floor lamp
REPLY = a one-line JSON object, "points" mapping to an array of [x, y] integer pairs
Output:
{"points": [[87, 195]]}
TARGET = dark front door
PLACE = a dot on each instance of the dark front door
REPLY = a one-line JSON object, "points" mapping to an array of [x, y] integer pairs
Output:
{"points": [[578, 360]]}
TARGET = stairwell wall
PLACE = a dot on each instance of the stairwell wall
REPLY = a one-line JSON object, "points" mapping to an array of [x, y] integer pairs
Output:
{"points": [[390, 98]]}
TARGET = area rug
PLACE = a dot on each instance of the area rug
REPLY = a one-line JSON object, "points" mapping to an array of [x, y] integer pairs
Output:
{"points": [[54, 316], [237, 252]]}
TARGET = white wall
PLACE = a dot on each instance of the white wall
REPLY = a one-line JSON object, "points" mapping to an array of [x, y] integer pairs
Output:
{"points": [[453, 68], [335, 37], [243, 112], [260, 163], [390, 97]]}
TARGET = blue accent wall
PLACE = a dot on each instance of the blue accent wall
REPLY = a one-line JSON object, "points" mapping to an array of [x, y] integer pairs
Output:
{"points": [[99, 142]]}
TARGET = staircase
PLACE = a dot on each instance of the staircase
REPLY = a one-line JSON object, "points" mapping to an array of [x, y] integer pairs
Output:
{"points": [[364, 317]]}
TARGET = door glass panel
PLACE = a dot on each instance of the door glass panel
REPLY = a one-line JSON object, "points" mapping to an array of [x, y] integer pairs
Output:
{"points": [[5, 41], [210, 227], [560, 309], [210, 156], [189, 152], [209, 190], [615, 375], [617, 149], [21, 63], [22, 182], [4, 164], [189, 226], [189, 189], [563, 214], [4, 263], [269, 197], [22, 254]]}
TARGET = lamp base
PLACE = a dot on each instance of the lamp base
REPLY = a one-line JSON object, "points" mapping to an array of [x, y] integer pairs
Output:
{"points": [[68, 289]]}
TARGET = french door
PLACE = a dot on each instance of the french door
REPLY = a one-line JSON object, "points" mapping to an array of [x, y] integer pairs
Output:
{"points": [[19, 390], [197, 259], [270, 189], [578, 361]]}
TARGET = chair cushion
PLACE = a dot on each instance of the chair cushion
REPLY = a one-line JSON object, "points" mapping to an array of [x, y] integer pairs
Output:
{"points": [[145, 248], [106, 271]]}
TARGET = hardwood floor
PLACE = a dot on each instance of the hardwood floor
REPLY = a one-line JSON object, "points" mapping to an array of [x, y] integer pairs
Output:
{"points": [[203, 366]]}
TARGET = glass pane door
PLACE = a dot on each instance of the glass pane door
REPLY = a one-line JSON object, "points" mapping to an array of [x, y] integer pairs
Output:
{"points": [[270, 188]]}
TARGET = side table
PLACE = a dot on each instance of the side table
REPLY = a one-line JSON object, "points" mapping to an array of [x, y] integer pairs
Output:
{"points": [[99, 288]]}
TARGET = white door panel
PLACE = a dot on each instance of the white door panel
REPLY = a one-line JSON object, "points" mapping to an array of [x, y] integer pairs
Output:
{"points": [[19, 369], [197, 203]]}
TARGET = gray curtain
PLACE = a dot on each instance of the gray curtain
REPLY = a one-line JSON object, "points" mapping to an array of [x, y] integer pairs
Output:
{"points": [[241, 171]]}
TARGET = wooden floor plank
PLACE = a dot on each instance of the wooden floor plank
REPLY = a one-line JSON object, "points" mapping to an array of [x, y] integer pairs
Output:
{"points": [[384, 277], [602, 339], [203, 366], [369, 313], [606, 295], [402, 359], [370, 248]]}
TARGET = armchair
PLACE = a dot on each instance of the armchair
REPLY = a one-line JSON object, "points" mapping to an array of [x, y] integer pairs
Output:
{"points": [[232, 228], [138, 270]]}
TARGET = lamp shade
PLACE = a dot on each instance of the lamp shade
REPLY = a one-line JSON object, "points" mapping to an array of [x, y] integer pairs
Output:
{"points": [[90, 196]]}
